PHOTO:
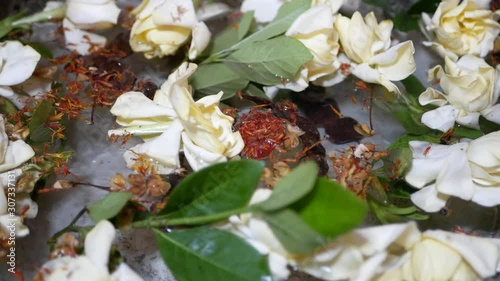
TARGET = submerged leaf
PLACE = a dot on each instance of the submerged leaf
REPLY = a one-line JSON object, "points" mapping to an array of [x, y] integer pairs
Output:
{"points": [[109, 206]]}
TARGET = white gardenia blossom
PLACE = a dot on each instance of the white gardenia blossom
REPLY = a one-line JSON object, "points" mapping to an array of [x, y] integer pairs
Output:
{"points": [[314, 28], [468, 170], [162, 26], [173, 121], [459, 27], [367, 46], [390, 252], [91, 266], [88, 14], [471, 88]]}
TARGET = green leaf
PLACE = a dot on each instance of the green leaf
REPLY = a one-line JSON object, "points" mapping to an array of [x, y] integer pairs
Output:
{"points": [[255, 91], [211, 254], [210, 79], [293, 233], [330, 209], [413, 86], [291, 188], [38, 131], [409, 120], [232, 34], [269, 62], [7, 107], [220, 188], [405, 23], [6, 25], [404, 140], [397, 162], [487, 126], [287, 14], [109, 206], [464, 132], [424, 6]]}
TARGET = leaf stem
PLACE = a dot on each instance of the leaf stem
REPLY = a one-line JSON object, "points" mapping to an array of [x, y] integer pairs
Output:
{"points": [[163, 221], [58, 13]]}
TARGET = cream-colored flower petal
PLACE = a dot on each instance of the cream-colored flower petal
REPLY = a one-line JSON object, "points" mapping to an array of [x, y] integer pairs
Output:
{"points": [[492, 114], [298, 84], [343, 265], [26, 206], [397, 62], [312, 20], [81, 41], [17, 62], [482, 254], [72, 269], [371, 75], [176, 13], [98, 243], [134, 108], [3, 202], [85, 14], [429, 199], [200, 39], [264, 10], [17, 153], [470, 120], [432, 96], [278, 265], [441, 51], [177, 81], [441, 118], [197, 156], [432, 260]]}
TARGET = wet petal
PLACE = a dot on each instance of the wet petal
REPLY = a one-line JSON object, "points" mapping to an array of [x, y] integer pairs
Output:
{"points": [[197, 156], [17, 62]]}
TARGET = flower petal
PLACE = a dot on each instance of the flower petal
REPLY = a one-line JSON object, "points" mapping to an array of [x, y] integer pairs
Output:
{"points": [[397, 62], [125, 273], [429, 199], [264, 10], [98, 244], [81, 41], [85, 14], [17, 62], [455, 176], [432, 96], [200, 39], [197, 156], [441, 118], [486, 196], [17, 153], [175, 13]]}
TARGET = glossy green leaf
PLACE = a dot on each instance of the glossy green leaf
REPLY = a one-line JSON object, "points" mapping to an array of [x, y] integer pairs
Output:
{"points": [[211, 254], [109, 206], [6, 25], [269, 62], [41, 49], [297, 184], [293, 233], [38, 131], [287, 14], [220, 188], [330, 209], [464, 132], [232, 34], [413, 86], [210, 79]]}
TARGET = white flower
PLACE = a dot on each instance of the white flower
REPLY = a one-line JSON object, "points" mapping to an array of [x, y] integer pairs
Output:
{"points": [[94, 264], [470, 171], [17, 64], [91, 14], [174, 117], [471, 88], [314, 29], [460, 28], [367, 44], [161, 27], [12, 153]]}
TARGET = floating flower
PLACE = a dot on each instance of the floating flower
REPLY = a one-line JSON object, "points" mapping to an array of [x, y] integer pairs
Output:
{"points": [[367, 45], [173, 116], [91, 266], [314, 29], [468, 170], [460, 28], [471, 88], [161, 27], [92, 14]]}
